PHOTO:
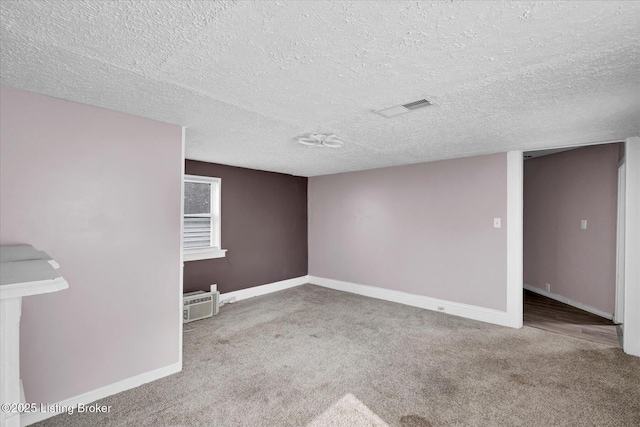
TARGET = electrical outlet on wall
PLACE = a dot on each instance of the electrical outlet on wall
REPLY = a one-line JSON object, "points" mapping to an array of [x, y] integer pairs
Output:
{"points": [[547, 287]]}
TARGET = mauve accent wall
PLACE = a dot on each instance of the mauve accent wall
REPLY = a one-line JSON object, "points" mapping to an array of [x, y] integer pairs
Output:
{"points": [[100, 192], [560, 190], [426, 229], [264, 229]]}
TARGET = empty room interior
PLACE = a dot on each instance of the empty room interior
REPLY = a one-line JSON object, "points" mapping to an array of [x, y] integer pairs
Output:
{"points": [[323, 213]]}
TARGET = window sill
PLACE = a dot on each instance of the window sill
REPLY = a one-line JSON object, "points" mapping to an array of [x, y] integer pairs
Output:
{"points": [[198, 254]]}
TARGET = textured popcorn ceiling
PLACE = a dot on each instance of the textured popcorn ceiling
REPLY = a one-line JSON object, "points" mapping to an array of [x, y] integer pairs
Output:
{"points": [[245, 78]]}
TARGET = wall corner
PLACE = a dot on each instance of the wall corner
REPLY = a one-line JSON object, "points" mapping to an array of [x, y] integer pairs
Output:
{"points": [[632, 248], [514, 238]]}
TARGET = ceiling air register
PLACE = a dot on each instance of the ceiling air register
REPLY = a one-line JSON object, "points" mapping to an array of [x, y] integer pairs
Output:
{"points": [[404, 108]]}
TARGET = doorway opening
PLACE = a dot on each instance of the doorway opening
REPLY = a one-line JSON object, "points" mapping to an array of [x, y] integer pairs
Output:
{"points": [[571, 241]]}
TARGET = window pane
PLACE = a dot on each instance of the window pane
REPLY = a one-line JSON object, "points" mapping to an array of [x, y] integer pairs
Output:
{"points": [[197, 198], [197, 232]]}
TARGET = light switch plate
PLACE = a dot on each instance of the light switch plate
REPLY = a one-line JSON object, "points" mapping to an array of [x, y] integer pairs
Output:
{"points": [[497, 222], [583, 224]]}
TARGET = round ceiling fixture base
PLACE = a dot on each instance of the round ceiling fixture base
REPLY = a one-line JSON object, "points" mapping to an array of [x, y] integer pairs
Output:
{"points": [[320, 140]]}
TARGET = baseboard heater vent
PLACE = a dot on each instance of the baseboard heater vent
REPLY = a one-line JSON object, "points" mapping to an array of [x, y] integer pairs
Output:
{"points": [[199, 305]]}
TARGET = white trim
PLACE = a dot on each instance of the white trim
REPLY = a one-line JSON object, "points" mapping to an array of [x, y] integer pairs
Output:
{"points": [[449, 307], [202, 178], [264, 289], [515, 191], [10, 310], [215, 214], [621, 162], [102, 392], [37, 287], [631, 336], [181, 284], [569, 301], [574, 145], [618, 312], [198, 254]]}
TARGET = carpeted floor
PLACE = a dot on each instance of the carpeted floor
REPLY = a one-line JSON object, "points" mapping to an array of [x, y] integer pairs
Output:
{"points": [[310, 355]]}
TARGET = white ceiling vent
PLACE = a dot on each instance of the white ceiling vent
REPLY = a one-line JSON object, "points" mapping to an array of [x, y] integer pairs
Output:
{"points": [[417, 104], [404, 108]]}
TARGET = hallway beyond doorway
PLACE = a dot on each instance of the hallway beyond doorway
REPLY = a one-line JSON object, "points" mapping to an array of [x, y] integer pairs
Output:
{"points": [[544, 313]]}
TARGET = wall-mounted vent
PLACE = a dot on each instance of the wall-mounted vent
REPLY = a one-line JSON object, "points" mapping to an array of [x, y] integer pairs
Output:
{"points": [[404, 108]]}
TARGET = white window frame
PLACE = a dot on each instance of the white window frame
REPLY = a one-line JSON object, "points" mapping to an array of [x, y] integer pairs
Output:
{"points": [[214, 250]]}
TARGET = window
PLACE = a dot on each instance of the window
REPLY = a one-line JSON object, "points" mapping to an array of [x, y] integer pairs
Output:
{"points": [[201, 218]]}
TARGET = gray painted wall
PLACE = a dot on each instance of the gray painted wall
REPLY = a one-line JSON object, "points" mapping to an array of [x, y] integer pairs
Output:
{"points": [[264, 229], [425, 229], [99, 191]]}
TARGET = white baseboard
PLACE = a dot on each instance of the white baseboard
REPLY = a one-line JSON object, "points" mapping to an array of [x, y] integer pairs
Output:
{"points": [[449, 307], [569, 301], [102, 392], [265, 289]]}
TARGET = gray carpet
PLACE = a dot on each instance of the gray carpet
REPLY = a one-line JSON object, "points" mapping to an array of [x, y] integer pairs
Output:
{"points": [[310, 355]]}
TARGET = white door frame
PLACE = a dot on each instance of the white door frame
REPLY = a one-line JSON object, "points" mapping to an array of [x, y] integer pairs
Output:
{"points": [[618, 313], [631, 335], [631, 321]]}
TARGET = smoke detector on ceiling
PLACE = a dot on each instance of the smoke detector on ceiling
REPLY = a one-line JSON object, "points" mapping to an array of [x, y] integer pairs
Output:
{"points": [[404, 108], [321, 140]]}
